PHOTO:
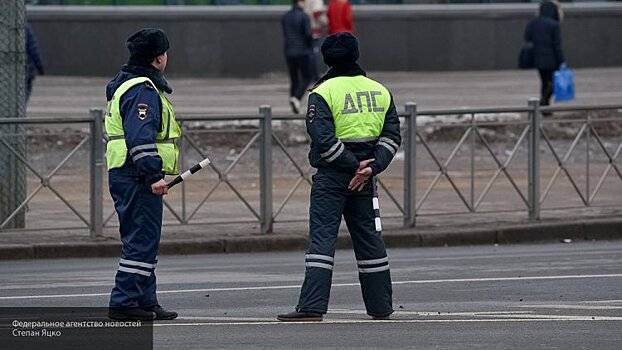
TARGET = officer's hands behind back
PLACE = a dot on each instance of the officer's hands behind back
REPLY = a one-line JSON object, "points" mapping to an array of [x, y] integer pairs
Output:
{"points": [[363, 173]]}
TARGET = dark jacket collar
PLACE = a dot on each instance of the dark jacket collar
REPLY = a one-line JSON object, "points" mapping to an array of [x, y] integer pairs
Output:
{"points": [[347, 70], [153, 74]]}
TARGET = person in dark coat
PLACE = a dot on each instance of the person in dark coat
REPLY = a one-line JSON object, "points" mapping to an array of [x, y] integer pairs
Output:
{"points": [[544, 32], [34, 65], [298, 51]]}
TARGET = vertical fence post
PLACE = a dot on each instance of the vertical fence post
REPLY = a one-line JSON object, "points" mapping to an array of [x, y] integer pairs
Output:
{"points": [[97, 172], [588, 141], [13, 176], [533, 159], [410, 157], [182, 164], [472, 170], [265, 169]]}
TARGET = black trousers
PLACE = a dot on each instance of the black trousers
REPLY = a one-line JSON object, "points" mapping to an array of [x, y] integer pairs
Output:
{"points": [[300, 74], [140, 219], [29, 81], [546, 86], [330, 200]]}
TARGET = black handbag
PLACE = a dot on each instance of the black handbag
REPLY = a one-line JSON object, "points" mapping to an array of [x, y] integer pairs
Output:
{"points": [[526, 57]]}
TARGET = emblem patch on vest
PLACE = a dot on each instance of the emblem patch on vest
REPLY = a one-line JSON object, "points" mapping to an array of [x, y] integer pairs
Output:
{"points": [[142, 111]]}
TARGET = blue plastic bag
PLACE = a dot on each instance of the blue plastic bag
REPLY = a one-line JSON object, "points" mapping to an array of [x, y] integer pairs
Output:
{"points": [[563, 84]]}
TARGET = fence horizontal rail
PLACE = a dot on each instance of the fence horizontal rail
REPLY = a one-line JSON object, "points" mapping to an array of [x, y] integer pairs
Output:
{"points": [[44, 120], [531, 129], [458, 111], [186, 117], [579, 108]]}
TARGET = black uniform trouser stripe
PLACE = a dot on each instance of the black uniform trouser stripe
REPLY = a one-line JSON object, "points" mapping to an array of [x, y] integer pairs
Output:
{"points": [[319, 264], [319, 260], [134, 271], [325, 258], [374, 268], [373, 265], [136, 267], [137, 263], [384, 259], [146, 269]]}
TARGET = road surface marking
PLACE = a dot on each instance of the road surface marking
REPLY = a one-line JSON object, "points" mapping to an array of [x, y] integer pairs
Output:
{"points": [[230, 319], [297, 286], [566, 306], [337, 321], [615, 301], [432, 313]]}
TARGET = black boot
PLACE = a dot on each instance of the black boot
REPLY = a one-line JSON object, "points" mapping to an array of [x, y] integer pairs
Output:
{"points": [[162, 314], [382, 317], [297, 316], [379, 318], [133, 313]]}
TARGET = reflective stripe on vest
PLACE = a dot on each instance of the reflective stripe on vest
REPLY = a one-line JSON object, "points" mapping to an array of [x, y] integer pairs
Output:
{"points": [[116, 149], [358, 105]]}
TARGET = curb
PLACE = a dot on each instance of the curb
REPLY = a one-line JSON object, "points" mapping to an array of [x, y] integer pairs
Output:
{"points": [[402, 238]]}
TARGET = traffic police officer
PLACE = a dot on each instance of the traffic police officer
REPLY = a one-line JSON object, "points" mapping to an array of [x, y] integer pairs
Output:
{"points": [[355, 133], [141, 131]]}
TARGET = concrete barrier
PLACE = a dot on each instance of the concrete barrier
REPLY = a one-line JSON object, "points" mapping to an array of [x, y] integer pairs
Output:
{"points": [[245, 41]]}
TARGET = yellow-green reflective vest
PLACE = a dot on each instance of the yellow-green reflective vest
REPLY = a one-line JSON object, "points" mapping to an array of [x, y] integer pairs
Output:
{"points": [[358, 105], [116, 149]]}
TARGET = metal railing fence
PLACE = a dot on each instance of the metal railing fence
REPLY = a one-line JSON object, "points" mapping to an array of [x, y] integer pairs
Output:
{"points": [[532, 135]]}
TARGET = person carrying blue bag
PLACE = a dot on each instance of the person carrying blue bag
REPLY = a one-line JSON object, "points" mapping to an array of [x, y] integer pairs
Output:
{"points": [[563, 84], [545, 35]]}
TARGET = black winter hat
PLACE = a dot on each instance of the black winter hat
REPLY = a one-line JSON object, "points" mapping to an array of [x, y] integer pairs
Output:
{"points": [[339, 49], [146, 44]]}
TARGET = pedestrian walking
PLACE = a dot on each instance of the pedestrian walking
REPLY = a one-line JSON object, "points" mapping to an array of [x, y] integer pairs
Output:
{"points": [[340, 18], [544, 33], [355, 133], [34, 64], [298, 50], [316, 10], [141, 130]]}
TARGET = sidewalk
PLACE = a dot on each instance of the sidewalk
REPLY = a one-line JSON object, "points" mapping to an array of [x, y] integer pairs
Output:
{"points": [[193, 240], [74, 96]]}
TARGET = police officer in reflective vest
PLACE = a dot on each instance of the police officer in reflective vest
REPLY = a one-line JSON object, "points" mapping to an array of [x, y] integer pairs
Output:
{"points": [[355, 133], [141, 131]]}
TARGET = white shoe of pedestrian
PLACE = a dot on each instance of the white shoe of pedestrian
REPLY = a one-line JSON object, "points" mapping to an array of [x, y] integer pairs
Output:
{"points": [[295, 104]]}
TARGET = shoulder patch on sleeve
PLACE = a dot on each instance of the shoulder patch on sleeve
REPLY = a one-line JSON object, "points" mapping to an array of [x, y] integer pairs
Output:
{"points": [[142, 111], [311, 113]]}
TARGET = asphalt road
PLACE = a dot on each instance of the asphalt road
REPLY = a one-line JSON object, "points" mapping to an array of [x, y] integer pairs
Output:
{"points": [[554, 296]]}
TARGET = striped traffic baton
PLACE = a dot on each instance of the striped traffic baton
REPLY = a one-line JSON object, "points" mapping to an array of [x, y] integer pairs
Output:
{"points": [[180, 178]]}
